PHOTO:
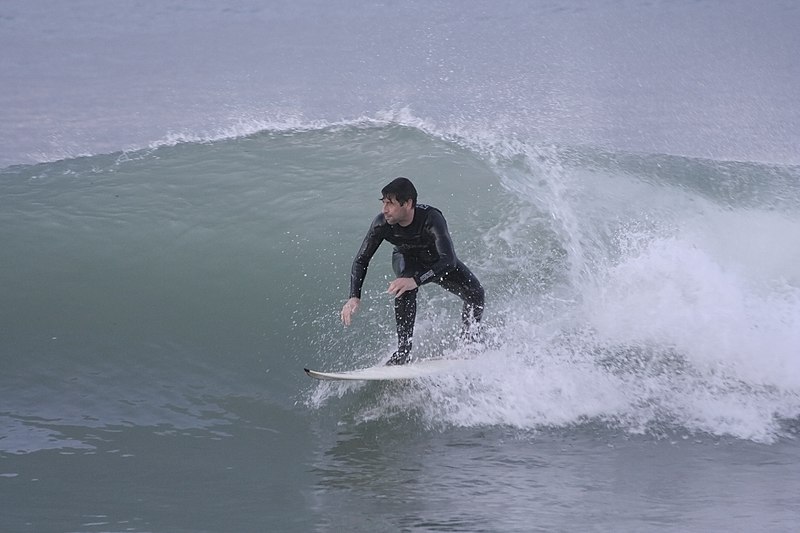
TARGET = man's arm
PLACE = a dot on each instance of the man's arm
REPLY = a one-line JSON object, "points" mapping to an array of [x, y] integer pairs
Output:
{"points": [[369, 246], [358, 271], [444, 248]]}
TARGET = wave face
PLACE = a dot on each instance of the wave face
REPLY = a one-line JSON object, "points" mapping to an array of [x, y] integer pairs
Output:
{"points": [[644, 293]]}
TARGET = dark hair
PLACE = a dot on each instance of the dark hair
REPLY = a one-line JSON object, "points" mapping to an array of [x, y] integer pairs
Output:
{"points": [[402, 189]]}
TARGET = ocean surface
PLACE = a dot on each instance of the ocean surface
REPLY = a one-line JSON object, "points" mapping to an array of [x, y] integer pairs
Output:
{"points": [[184, 184]]}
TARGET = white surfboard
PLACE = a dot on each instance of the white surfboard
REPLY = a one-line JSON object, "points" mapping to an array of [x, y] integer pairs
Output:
{"points": [[419, 369]]}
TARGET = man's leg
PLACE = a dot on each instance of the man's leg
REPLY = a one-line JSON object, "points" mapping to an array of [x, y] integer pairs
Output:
{"points": [[405, 313], [463, 283]]}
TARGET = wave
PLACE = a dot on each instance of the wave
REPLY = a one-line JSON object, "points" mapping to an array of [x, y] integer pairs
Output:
{"points": [[646, 291], [639, 291]]}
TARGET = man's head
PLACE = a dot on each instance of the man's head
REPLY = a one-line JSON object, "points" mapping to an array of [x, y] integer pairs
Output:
{"points": [[400, 190], [399, 199]]}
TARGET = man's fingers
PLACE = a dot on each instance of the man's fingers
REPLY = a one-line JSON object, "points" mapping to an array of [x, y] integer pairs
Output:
{"points": [[348, 310], [395, 288], [400, 286]]}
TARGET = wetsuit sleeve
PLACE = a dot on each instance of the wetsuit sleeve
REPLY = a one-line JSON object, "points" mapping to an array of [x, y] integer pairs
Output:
{"points": [[437, 226], [372, 240]]}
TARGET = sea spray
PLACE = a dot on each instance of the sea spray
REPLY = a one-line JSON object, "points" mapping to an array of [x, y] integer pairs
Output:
{"points": [[615, 299]]}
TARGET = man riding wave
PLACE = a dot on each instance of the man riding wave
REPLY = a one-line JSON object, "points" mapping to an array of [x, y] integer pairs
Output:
{"points": [[423, 253]]}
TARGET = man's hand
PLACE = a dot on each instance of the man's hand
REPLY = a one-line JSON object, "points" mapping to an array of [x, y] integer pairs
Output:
{"points": [[401, 285], [349, 309]]}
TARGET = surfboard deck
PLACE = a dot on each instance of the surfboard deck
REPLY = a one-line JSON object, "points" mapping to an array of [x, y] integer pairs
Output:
{"points": [[419, 369]]}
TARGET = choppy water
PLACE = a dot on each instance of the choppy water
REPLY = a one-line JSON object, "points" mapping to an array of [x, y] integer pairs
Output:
{"points": [[162, 294]]}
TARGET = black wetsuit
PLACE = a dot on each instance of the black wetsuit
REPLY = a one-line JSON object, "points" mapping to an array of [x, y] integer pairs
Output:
{"points": [[424, 251]]}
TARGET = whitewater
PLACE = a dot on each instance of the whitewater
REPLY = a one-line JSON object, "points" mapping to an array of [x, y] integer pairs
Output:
{"points": [[183, 187]]}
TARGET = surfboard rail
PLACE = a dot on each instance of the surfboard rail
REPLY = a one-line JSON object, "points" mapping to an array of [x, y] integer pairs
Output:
{"points": [[415, 370]]}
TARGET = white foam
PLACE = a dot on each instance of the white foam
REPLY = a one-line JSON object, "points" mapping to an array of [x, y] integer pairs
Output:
{"points": [[614, 299]]}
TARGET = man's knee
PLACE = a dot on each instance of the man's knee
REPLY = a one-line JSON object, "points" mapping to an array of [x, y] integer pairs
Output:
{"points": [[474, 294], [405, 305], [480, 295], [408, 296], [474, 302]]}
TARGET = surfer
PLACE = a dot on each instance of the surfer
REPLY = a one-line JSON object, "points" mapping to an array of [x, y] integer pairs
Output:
{"points": [[423, 253]]}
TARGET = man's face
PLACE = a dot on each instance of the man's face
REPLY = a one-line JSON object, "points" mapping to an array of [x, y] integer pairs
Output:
{"points": [[396, 213]]}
